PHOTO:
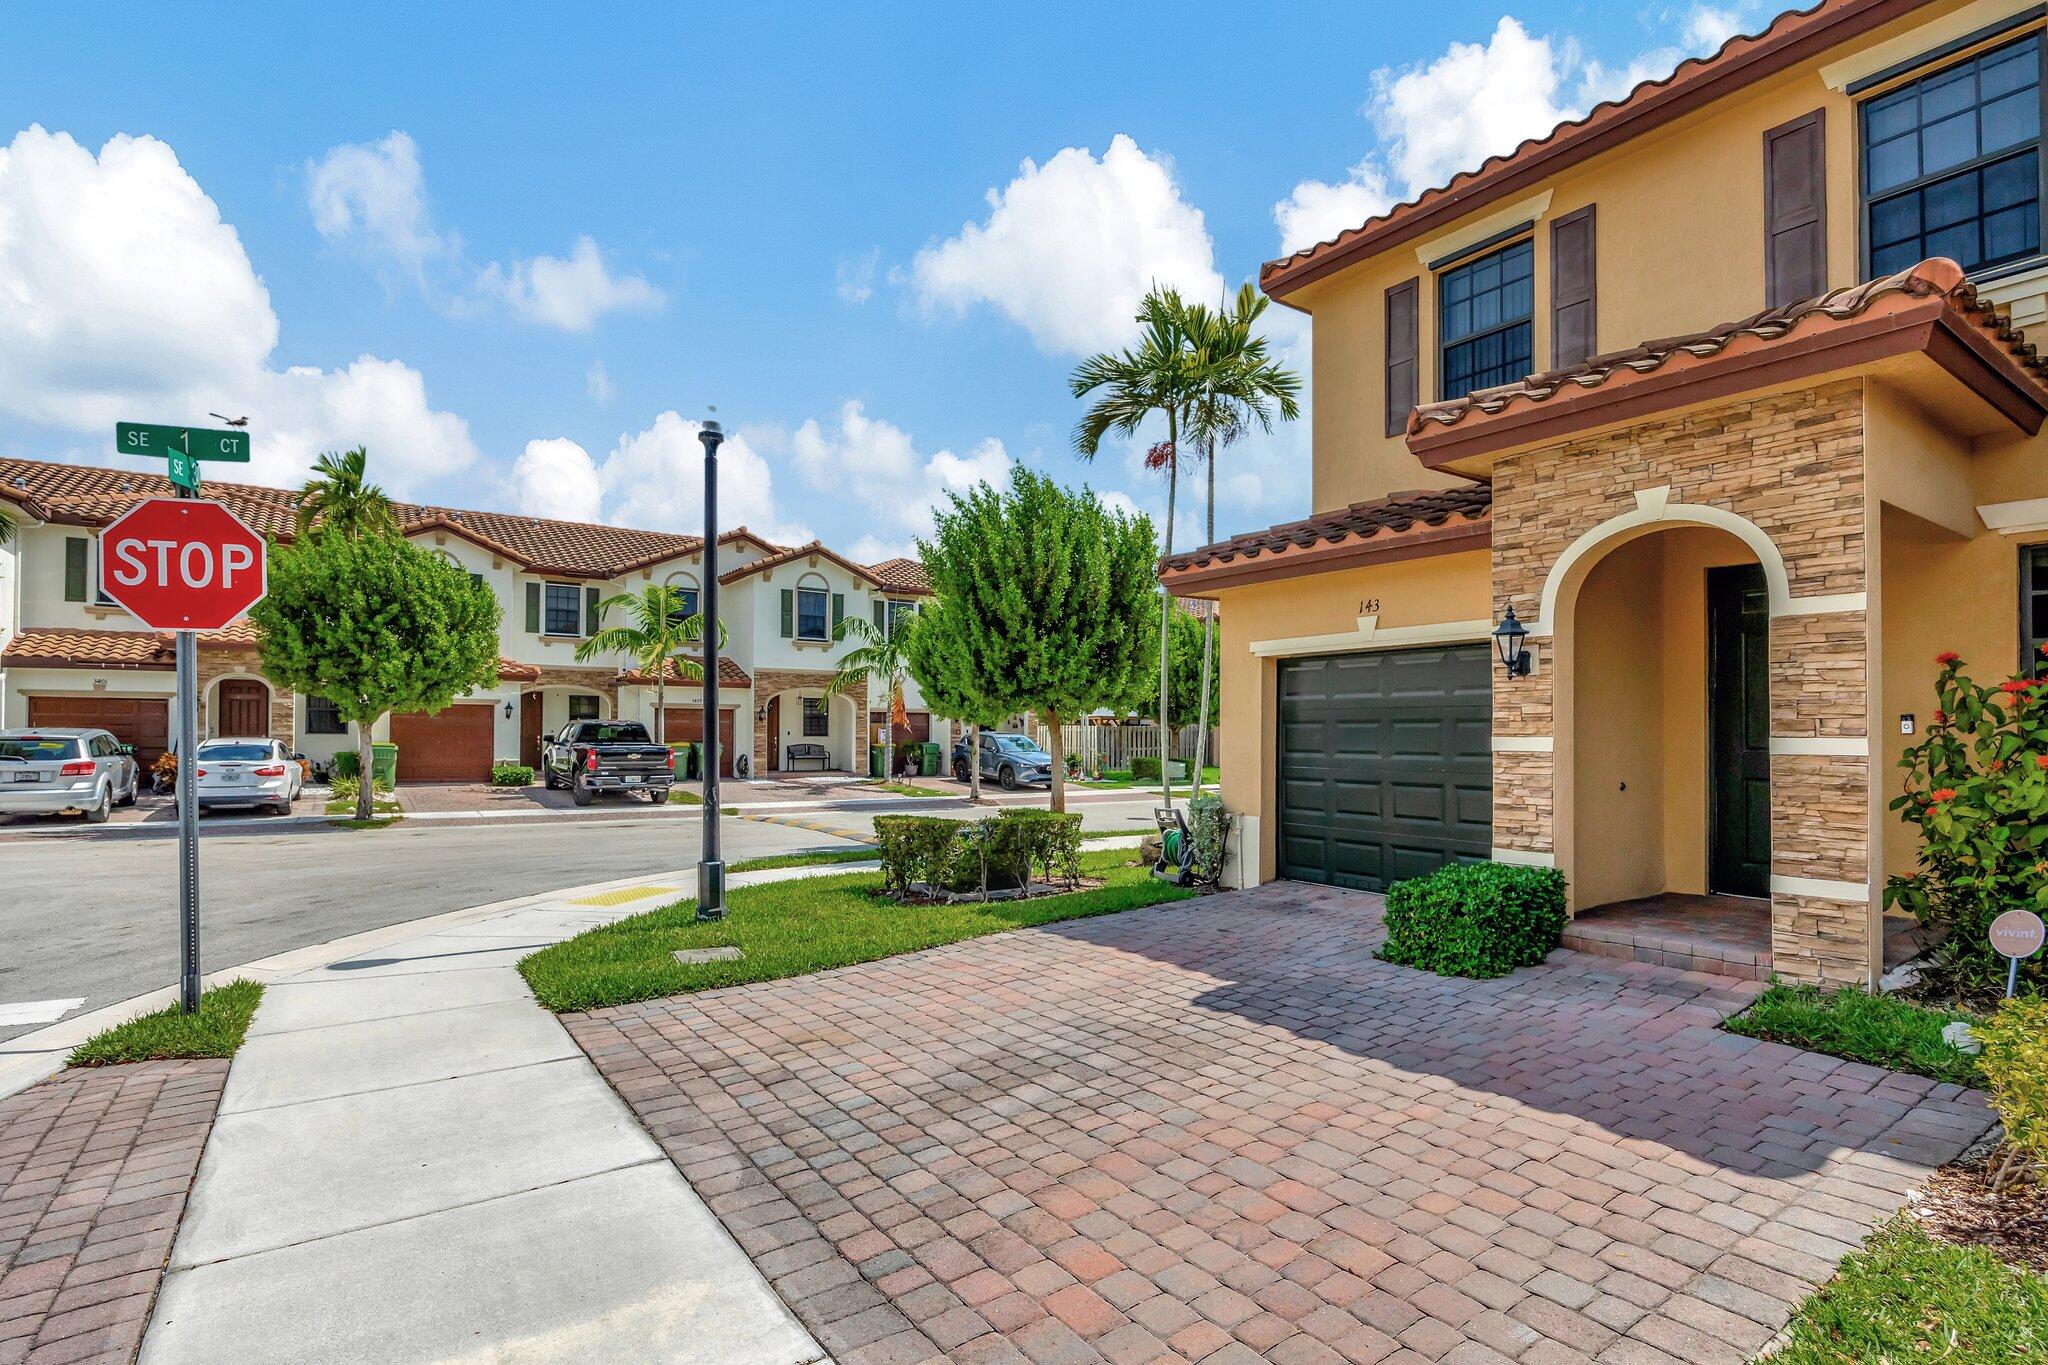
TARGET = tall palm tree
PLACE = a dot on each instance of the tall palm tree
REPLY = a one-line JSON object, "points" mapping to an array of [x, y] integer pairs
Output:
{"points": [[340, 498], [1238, 387], [1155, 376], [878, 657], [656, 633]]}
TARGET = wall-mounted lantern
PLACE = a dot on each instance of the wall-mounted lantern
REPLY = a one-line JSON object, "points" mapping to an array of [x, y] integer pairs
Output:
{"points": [[1511, 637], [508, 709]]}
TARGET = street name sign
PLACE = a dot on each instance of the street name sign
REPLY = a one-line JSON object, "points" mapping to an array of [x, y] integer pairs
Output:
{"points": [[196, 443], [182, 564]]}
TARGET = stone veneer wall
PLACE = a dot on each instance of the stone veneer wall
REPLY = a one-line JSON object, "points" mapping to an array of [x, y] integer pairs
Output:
{"points": [[772, 682], [1792, 464]]}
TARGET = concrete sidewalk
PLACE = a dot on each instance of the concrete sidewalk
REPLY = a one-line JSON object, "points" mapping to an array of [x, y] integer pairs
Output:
{"points": [[414, 1162]]}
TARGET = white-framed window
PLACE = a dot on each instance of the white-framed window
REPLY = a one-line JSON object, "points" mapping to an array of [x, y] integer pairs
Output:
{"points": [[562, 609], [813, 609], [1485, 320], [685, 588], [817, 718]]}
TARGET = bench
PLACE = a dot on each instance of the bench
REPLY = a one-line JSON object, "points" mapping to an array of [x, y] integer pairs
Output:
{"points": [[806, 753]]}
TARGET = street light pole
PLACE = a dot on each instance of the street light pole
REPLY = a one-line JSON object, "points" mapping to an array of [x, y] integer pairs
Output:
{"points": [[711, 868]]}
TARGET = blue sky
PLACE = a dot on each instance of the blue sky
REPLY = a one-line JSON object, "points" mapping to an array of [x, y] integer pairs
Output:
{"points": [[520, 256]]}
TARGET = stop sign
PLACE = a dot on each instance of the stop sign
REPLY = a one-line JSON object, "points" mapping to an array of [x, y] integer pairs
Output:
{"points": [[182, 564]]}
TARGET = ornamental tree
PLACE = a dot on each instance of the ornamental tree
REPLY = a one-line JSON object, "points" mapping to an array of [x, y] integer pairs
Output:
{"points": [[375, 625], [1977, 787], [1055, 601], [946, 656]]}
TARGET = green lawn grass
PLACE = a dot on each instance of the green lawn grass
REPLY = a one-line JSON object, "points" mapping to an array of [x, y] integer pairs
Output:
{"points": [[1116, 781], [678, 797], [901, 789], [816, 858], [382, 805], [1905, 1297], [215, 1031], [1882, 1030], [806, 925]]}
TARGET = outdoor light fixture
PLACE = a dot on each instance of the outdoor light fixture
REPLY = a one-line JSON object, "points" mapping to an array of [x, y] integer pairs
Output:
{"points": [[1511, 636], [508, 710]]}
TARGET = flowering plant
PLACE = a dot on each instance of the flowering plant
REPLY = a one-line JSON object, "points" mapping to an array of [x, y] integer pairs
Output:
{"points": [[1977, 787]]}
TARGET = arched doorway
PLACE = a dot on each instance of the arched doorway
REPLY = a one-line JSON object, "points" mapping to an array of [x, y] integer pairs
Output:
{"points": [[241, 709]]}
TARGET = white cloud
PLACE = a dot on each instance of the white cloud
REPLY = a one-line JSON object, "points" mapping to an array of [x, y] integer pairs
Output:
{"points": [[597, 382], [1069, 248], [1475, 101], [875, 464], [856, 276], [374, 195], [124, 295], [557, 478], [571, 292]]}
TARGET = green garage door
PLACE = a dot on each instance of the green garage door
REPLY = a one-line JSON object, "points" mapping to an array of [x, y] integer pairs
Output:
{"points": [[1386, 764]]}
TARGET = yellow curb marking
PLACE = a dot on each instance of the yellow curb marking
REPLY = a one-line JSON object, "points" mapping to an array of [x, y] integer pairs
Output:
{"points": [[624, 894]]}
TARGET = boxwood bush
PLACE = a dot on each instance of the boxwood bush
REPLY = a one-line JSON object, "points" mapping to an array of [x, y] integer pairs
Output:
{"points": [[506, 773], [1475, 919], [1143, 769], [1000, 853]]}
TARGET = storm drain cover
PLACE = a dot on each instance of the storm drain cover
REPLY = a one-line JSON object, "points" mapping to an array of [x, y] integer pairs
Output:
{"points": [[690, 957]]}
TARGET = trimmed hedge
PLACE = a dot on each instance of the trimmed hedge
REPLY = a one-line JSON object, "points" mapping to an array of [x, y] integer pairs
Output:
{"points": [[1144, 769], [505, 773], [1475, 919], [2015, 1067], [999, 853]]}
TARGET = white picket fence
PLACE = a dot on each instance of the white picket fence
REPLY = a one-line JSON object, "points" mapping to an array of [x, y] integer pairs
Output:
{"points": [[1110, 748]]}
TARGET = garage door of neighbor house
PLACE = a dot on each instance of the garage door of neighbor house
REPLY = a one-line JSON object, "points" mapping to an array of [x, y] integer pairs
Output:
{"points": [[682, 724], [1385, 764], [143, 723], [453, 745]]}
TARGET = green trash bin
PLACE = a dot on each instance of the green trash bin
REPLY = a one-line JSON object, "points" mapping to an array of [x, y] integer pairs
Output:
{"points": [[694, 764], [875, 760], [929, 767], [384, 765]]}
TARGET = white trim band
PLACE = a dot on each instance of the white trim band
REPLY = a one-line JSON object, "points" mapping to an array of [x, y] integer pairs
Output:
{"points": [[1831, 746], [1840, 75], [1522, 857], [1523, 744], [2015, 518], [1500, 220], [1371, 635], [1820, 888], [1826, 605]]}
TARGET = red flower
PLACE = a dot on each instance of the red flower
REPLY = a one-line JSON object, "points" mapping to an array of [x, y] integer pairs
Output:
{"points": [[1945, 794], [2018, 687], [1941, 717], [2041, 760], [1947, 657]]}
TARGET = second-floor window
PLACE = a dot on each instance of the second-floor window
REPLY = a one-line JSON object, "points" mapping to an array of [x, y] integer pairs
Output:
{"points": [[899, 612], [564, 609], [1952, 164], [2034, 610], [1484, 310], [811, 614]]}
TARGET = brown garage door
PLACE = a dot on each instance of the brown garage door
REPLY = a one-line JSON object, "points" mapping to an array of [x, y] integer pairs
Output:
{"points": [[445, 746], [685, 724], [916, 730], [143, 723]]}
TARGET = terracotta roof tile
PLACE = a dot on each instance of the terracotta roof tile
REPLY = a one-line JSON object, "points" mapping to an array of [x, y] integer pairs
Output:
{"points": [[1792, 37], [795, 552], [1403, 523], [902, 574], [730, 674], [511, 670], [109, 649], [1937, 279]]}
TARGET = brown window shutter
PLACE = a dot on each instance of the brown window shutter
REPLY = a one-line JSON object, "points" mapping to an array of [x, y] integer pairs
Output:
{"points": [[1403, 383], [1572, 278], [1795, 210]]}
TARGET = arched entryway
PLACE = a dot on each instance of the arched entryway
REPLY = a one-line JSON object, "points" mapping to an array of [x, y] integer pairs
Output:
{"points": [[797, 722]]}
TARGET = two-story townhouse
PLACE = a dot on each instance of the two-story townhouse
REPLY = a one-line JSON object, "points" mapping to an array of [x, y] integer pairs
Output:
{"points": [[1736, 546], [69, 656]]}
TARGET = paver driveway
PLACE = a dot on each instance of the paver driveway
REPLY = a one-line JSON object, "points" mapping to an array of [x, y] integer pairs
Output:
{"points": [[1220, 1130]]}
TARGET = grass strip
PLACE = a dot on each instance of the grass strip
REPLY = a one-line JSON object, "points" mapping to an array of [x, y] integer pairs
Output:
{"points": [[1906, 1297], [806, 925], [214, 1031], [1882, 1030], [817, 858]]}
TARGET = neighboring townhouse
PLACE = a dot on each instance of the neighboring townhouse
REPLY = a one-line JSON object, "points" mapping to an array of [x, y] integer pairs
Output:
{"points": [[70, 656], [1737, 546]]}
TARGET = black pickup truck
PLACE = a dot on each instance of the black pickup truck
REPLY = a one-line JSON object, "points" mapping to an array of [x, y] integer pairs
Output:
{"points": [[593, 756]]}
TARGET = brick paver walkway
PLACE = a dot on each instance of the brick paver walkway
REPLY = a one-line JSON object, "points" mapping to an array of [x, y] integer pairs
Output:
{"points": [[1221, 1131], [94, 1169]]}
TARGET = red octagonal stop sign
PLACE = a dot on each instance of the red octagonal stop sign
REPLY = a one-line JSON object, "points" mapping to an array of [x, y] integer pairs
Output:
{"points": [[182, 564]]}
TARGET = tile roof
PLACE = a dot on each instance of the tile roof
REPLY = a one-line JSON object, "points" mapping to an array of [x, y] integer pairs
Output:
{"points": [[107, 649], [730, 674], [795, 552], [1791, 38], [89, 495], [1420, 522], [902, 575], [511, 670], [1932, 287]]}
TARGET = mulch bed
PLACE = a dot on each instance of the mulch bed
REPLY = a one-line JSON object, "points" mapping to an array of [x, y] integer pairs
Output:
{"points": [[1958, 1206]]}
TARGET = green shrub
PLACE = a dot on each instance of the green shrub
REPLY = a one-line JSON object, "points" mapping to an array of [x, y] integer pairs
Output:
{"points": [[506, 773], [2015, 1068], [1144, 770], [916, 848], [1475, 919], [995, 854], [1051, 842]]}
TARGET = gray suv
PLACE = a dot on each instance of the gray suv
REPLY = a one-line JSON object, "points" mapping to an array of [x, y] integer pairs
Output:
{"points": [[53, 769]]}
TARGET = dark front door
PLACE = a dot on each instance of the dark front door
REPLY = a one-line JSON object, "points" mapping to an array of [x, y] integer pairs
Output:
{"points": [[774, 724], [529, 729], [1385, 764], [1739, 730], [244, 710]]}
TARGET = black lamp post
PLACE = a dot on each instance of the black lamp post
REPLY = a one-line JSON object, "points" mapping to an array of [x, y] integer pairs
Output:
{"points": [[1511, 637], [711, 867]]}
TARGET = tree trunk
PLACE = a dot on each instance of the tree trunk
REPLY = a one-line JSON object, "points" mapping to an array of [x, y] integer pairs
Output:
{"points": [[889, 739], [366, 782], [974, 764], [1059, 765], [1208, 641], [661, 703], [1165, 598]]}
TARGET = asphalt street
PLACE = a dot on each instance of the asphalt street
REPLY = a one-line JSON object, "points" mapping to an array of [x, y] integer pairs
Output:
{"points": [[95, 916]]}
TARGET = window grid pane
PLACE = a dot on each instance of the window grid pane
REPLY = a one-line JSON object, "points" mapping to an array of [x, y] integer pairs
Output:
{"points": [[810, 614], [2034, 609], [1484, 320], [564, 609], [817, 720]]}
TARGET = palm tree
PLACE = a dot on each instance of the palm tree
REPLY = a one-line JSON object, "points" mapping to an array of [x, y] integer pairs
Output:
{"points": [[340, 498], [878, 657], [656, 634], [1156, 376], [1238, 387], [6, 528]]}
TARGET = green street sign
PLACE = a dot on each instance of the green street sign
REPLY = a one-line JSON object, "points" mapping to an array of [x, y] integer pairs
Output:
{"points": [[184, 471], [195, 443]]}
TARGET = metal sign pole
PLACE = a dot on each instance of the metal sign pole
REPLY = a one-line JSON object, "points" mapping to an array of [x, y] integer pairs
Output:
{"points": [[711, 869], [188, 813]]}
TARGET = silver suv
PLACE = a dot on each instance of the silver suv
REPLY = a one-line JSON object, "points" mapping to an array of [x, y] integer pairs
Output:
{"points": [[45, 771]]}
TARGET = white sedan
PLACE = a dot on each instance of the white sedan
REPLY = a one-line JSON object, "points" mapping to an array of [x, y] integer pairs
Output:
{"points": [[248, 772]]}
